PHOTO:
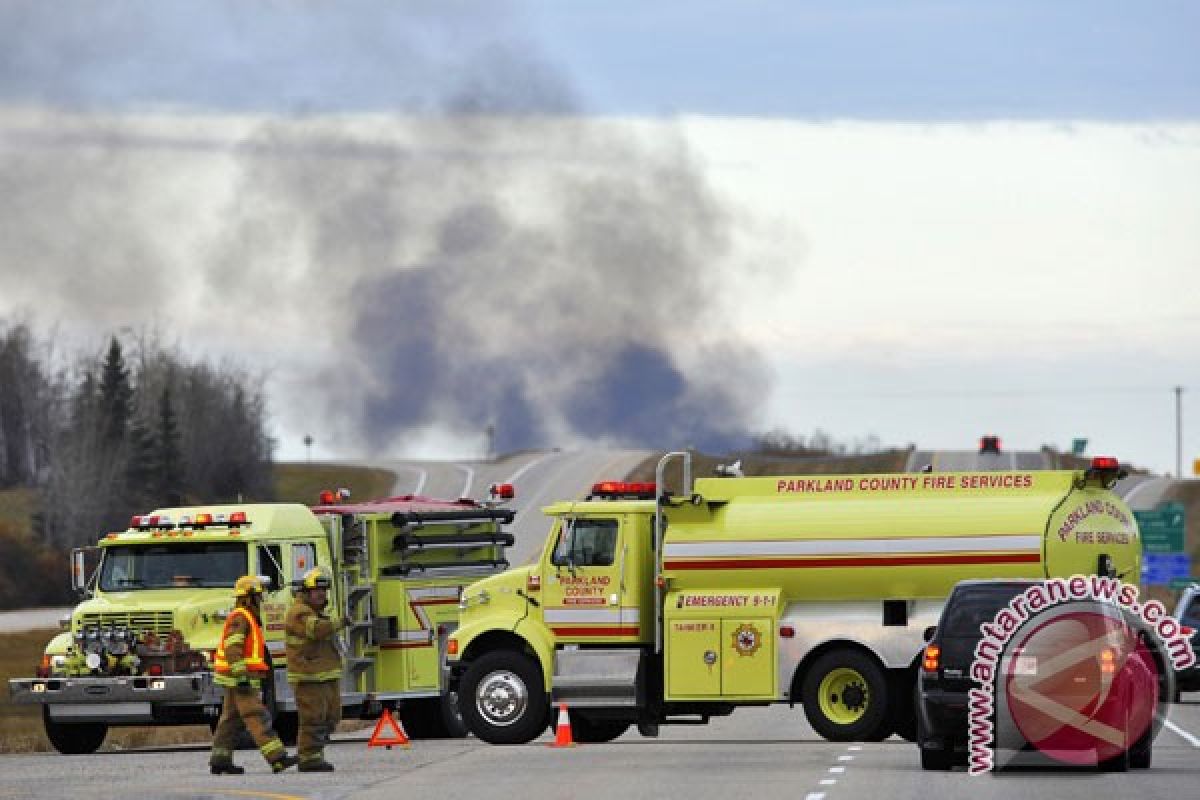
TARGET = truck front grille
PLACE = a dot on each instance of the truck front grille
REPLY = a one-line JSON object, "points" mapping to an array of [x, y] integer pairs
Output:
{"points": [[160, 622]]}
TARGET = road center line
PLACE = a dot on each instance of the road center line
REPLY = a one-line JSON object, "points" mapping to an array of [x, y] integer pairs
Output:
{"points": [[837, 770], [829, 781], [1192, 740]]}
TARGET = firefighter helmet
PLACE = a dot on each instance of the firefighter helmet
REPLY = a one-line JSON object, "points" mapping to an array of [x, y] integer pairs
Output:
{"points": [[315, 578], [247, 585]]}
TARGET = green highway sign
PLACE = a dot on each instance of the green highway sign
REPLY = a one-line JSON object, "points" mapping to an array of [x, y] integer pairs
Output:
{"points": [[1183, 583], [1162, 529]]}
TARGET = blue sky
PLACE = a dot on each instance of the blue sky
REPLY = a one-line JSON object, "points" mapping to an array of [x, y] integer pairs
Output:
{"points": [[863, 59]]}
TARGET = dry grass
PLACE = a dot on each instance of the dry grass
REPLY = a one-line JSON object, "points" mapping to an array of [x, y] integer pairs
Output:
{"points": [[303, 483]]}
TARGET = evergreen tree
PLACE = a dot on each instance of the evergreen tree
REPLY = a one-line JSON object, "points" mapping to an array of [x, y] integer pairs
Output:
{"points": [[116, 396], [140, 467], [169, 458]]}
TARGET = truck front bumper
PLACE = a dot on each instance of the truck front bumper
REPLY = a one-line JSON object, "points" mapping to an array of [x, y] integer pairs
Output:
{"points": [[126, 698]]}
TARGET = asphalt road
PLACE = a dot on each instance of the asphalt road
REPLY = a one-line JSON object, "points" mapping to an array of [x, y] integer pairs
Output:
{"points": [[539, 478], [765, 752]]}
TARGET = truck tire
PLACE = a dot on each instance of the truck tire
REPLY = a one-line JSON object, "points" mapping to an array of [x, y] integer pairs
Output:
{"points": [[588, 730], [903, 704], [845, 697], [74, 739], [433, 718], [502, 699]]}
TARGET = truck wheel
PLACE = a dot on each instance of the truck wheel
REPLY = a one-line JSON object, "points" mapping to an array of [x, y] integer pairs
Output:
{"points": [[433, 718], [502, 699], [74, 740], [903, 720], [845, 697], [587, 730]]}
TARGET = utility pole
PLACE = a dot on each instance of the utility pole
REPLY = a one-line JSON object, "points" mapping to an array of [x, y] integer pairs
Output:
{"points": [[308, 440], [1179, 432]]}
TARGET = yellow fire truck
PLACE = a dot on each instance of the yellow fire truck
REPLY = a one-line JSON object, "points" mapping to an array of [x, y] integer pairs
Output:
{"points": [[649, 607], [139, 650]]}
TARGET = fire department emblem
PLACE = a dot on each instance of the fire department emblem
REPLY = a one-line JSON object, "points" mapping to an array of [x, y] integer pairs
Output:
{"points": [[746, 640]]}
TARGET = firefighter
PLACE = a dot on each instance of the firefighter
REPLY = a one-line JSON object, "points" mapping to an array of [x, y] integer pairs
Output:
{"points": [[314, 669], [240, 665]]}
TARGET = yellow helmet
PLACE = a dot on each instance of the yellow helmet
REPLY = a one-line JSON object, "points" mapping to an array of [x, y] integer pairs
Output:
{"points": [[315, 578], [247, 585]]}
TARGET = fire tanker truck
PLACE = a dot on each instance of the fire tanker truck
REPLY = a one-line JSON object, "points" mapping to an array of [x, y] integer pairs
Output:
{"points": [[139, 650], [648, 607]]}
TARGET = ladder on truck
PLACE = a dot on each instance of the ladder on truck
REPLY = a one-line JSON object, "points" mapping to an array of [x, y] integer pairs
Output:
{"points": [[352, 547], [420, 553]]}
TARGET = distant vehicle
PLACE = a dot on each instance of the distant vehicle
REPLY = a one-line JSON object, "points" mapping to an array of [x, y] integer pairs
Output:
{"points": [[989, 443], [945, 680], [1188, 612]]}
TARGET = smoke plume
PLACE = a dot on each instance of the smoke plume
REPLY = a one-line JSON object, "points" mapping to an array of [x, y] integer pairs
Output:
{"points": [[486, 256]]}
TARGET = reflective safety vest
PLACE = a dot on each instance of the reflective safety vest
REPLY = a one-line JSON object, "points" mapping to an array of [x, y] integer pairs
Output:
{"points": [[255, 650]]}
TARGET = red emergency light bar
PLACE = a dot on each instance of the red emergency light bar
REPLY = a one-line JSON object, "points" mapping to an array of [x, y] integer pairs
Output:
{"points": [[1106, 469], [159, 521], [503, 491], [642, 491]]}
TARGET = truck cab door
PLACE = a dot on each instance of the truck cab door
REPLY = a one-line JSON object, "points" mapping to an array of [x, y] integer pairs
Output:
{"points": [[277, 595], [583, 596]]}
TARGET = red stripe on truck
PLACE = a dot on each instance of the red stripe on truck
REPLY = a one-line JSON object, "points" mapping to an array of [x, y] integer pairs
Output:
{"points": [[617, 630]]}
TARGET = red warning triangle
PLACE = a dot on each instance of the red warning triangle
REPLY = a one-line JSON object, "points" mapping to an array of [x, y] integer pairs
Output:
{"points": [[382, 738]]}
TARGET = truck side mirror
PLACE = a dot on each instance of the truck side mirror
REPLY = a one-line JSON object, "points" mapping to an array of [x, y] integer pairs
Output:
{"points": [[929, 633], [79, 574]]}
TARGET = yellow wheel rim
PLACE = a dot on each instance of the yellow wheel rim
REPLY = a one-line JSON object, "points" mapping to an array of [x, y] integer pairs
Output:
{"points": [[843, 696]]}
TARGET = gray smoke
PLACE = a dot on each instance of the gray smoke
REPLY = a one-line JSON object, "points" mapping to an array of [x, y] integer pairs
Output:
{"points": [[494, 260]]}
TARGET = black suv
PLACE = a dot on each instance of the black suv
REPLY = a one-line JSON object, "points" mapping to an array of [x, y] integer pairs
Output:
{"points": [[1188, 612], [944, 678]]}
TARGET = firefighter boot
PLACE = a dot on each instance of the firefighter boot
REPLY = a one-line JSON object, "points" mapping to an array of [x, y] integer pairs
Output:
{"points": [[316, 766], [283, 762], [226, 768]]}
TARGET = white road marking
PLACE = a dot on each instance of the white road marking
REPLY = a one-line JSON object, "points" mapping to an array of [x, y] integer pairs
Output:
{"points": [[829, 782], [1192, 740], [422, 476], [1136, 490], [845, 758], [854, 748], [470, 473], [513, 478], [837, 770], [815, 796]]}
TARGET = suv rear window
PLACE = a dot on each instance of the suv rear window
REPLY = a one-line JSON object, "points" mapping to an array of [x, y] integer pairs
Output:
{"points": [[967, 609]]}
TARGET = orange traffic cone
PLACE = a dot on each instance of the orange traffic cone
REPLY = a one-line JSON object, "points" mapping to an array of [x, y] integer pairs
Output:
{"points": [[381, 738], [562, 731]]}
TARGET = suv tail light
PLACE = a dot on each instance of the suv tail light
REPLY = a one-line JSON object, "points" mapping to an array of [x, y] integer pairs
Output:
{"points": [[933, 655]]}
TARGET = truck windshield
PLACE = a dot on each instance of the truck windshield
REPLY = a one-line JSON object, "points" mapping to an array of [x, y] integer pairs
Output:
{"points": [[176, 565]]}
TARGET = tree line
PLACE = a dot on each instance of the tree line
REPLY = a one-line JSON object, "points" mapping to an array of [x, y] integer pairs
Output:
{"points": [[123, 431]]}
